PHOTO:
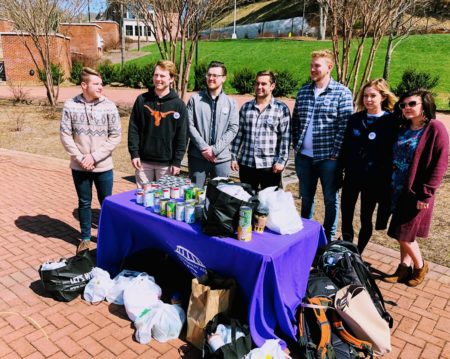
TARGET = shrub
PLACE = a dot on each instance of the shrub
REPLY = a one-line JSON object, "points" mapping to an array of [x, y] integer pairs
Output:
{"points": [[131, 75], [200, 76], [244, 80], [75, 72], [109, 72], [147, 75], [286, 84], [413, 79], [57, 74]]}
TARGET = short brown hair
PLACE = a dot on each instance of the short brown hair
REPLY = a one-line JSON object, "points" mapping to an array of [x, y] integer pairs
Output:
{"points": [[428, 104], [86, 72], [383, 88], [269, 73], [327, 54], [167, 65]]}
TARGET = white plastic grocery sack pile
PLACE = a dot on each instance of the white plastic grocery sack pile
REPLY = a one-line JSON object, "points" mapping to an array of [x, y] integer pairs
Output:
{"points": [[140, 295]]}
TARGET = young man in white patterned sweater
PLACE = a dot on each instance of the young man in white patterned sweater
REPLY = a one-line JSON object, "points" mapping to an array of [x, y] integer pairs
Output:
{"points": [[90, 131]]}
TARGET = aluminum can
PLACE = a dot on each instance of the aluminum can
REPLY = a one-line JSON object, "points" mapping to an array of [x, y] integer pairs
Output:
{"points": [[188, 193], [166, 193], [171, 208], [200, 196], [162, 205], [157, 205], [149, 198], [188, 181], [198, 212], [189, 214], [175, 192], [146, 186], [245, 224], [180, 212], [139, 196]]}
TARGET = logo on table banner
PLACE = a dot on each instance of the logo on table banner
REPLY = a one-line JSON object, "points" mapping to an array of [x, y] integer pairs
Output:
{"points": [[191, 261]]}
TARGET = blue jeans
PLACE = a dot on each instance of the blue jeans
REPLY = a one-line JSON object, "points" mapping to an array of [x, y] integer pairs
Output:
{"points": [[309, 172], [83, 184]]}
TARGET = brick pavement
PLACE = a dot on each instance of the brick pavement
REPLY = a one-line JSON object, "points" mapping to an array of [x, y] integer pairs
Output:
{"points": [[37, 223]]}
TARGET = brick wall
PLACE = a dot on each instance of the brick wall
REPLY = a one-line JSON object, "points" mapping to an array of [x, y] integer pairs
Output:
{"points": [[109, 31], [83, 39], [18, 61]]}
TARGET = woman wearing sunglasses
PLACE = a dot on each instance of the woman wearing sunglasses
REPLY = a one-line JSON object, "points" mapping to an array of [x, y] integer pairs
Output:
{"points": [[366, 157], [420, 160]]}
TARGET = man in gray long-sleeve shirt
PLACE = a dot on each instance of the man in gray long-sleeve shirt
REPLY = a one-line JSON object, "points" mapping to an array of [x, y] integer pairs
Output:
{"points": [[213, 124]]}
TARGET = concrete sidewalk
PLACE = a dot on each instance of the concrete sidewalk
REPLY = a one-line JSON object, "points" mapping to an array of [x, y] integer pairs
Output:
{"points": [[37, 223]]}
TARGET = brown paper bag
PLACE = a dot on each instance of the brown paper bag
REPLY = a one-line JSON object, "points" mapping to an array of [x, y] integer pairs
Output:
{"points": [[205, 302]]}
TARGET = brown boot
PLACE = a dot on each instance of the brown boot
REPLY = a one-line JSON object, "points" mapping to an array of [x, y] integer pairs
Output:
{"points": [[401, 274], [418, 275]]}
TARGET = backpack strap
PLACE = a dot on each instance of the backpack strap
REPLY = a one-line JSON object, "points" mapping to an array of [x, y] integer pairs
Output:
{"points": [[324, 348], [345, 335]]}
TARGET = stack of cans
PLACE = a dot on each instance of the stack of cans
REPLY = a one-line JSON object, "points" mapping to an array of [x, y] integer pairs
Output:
{"points": [[173, 197]]}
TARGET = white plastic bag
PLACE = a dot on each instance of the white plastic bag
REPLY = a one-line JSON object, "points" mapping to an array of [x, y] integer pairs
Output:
{"points": [[283, 217], [98, 287], [121, 281], [161, 321], [270, 349], [141, 293], [168, 323]]}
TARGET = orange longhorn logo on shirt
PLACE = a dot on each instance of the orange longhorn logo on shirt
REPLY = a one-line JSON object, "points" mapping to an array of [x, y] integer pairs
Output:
{"points": [[158, 115]]}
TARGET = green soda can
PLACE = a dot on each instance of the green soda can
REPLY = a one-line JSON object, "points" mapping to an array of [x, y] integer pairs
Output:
{"points": [[171, 208], [188, 194], [162, 206], [245, 224]]}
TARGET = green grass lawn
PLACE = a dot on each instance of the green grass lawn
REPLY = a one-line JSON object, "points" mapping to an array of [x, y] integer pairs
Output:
{"points": [[422, 52]]}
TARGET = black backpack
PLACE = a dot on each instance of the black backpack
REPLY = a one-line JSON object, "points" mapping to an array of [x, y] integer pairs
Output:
{"points": [[321, 332], [342, 263]]}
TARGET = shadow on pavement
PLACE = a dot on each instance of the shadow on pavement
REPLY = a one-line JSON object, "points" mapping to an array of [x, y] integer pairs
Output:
{"points": [[95, 216], [38, 289], [48, 227]]}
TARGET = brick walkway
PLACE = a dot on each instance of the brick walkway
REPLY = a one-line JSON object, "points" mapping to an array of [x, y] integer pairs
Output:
{"points": [[37, 223]]}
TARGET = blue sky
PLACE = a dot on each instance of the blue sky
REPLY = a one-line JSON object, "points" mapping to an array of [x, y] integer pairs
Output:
{"points": [[97, 5]]}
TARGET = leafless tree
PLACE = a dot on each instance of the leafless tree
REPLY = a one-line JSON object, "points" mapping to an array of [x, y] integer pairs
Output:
{"points": [[363, 22], [38, 21], [176, 26]]}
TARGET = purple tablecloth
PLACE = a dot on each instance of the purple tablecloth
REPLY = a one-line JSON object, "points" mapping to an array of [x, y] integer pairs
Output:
{"points": [[272, 270]]}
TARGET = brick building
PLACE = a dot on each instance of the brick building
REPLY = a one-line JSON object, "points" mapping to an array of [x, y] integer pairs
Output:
{"points": [[109, 31], [85, 39], [18, 65]]}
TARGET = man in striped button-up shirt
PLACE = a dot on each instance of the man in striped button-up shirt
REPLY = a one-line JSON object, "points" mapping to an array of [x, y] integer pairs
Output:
{"points": [[320, 117], [262, 144]]}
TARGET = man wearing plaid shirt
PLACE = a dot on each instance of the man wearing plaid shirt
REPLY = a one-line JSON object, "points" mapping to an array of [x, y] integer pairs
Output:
{"points": [[320, 117], [262, 144]]}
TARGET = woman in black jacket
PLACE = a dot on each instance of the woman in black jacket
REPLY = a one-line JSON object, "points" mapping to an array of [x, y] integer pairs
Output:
{"points": [[367, 153]]}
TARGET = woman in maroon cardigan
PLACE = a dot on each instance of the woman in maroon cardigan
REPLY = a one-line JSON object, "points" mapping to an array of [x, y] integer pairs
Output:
{"points": [[420, 160]]}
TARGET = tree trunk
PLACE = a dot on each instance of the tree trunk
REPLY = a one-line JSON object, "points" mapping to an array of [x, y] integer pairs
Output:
{"points": [[388, 57]]}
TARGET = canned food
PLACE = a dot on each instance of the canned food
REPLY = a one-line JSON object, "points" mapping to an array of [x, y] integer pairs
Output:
{"points": [[198, 212], [166, 193], [162, 205], [139, 196], [180, 210], [188, 193], [146, 186], [149, 198], [175, 192], [157, 205], [189, 214], [170, 208], [200, 195]]}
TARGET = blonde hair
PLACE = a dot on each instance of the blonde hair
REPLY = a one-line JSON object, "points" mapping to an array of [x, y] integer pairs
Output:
{"points": [[326, 54], [383, 88], [167, 65], [86, 72]]}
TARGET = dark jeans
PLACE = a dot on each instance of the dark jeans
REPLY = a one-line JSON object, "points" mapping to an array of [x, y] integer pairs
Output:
{"points": [[309, 172], [259, 178], [83, 184], [368, 202], [200, 169]]}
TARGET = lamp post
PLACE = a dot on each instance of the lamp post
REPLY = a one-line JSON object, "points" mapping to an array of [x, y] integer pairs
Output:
{"points": [[234, 36]]}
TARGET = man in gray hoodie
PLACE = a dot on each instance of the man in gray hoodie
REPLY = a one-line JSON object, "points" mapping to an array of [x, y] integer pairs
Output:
{"points": [[213, 124]]}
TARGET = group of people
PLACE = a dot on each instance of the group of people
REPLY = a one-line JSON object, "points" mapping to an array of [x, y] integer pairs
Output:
{"points": [[392, 152]]}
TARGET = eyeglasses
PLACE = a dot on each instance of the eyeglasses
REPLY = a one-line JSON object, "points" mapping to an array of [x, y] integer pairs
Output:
{"points": [[409, 104], [213, 76]]}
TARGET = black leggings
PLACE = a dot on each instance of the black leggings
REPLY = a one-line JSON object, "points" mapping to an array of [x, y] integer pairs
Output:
{"points": [[259, 178]]}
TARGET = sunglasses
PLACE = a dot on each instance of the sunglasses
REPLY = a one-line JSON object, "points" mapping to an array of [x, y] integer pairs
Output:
{"points": [[409, 104]]}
